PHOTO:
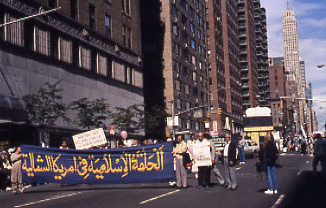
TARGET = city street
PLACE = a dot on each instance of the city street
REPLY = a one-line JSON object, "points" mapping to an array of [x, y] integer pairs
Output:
{"points": [[296, 189]]}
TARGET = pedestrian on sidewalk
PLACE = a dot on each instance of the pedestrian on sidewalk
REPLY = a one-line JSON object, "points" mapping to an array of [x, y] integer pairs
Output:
{"points": [[242, 143], [229, 158], [268, 155], [319, 154], [181, 173], [16, 172]]}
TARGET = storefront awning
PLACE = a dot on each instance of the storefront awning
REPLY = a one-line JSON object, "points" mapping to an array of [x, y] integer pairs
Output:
{"points": [[12, 110]]}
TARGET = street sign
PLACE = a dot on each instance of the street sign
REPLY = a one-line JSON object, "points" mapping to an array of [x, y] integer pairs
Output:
{"points": [[214, 125], [169, 121]]}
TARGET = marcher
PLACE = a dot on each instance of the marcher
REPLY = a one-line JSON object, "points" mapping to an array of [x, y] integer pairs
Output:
{"points": [[215, 170], [242, 143], [303, 145], [268, 155], [181, 173], [319, 154], [229, 158], [135, 143], [16, 172], [203, 171]]}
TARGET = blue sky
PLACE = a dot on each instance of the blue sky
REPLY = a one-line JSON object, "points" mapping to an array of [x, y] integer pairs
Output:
{"points": [[311, 19]]}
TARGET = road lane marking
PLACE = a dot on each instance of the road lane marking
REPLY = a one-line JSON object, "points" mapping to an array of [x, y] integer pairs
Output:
{"points": [[159, 196], [237, 168], [49, 199], [307, 161], [278, 202], [300, 171]]}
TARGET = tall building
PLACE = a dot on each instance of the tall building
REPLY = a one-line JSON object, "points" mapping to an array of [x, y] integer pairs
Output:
{"points": [[224, 72], [303, 73], [92, 47], [232, 65], [277, 91], [292, 65], [248, 58], [183, 66], [262, 54]]}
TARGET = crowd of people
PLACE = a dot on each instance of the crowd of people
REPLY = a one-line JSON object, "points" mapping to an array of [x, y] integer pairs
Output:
{"points": [[232, 154]]}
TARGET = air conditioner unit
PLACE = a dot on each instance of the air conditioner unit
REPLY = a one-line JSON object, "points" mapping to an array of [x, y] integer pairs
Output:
{"points": [[178, 75], [209, 52], [196, 100], [186, 45], [184, 27], [193, 34]]}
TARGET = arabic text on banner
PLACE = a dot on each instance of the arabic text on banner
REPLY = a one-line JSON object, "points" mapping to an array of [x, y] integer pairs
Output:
{"points": [[144, 164]]}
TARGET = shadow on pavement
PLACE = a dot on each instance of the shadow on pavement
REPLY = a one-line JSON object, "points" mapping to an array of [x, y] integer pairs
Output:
{"points": [[308, 191]]}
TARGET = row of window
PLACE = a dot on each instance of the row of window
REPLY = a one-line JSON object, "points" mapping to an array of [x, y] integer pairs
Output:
{"points": [[65, 50]]}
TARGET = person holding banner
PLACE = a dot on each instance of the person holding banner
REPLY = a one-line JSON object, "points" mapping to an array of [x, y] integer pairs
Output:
{"points": [[202, 156], [16, 172], [229, 158], [181, 173]]}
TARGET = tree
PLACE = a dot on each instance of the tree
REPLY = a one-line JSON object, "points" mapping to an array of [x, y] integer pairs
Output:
{"points": [[130, 119], [155, 122], [91, 113], [45, 107]]}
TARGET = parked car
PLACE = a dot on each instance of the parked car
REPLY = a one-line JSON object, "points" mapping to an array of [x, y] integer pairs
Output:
{"points": [[251, 148]]}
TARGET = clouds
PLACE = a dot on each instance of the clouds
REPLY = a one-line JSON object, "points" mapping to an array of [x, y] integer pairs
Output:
{"points": [[311, 19]]}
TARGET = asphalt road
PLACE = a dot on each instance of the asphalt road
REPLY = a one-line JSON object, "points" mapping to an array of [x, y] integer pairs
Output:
{"points": [[294, 179]]}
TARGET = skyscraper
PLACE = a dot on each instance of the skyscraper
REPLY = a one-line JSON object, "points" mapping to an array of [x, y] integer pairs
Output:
{"points": [[262, 54], [224, 71], [248, 58], [177, 73], [292, 64]]}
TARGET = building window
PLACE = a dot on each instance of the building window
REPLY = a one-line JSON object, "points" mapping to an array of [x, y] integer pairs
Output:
{"points": [[137, 78], [65, 50], [118, 71], [102, 64], [198, 34], [73, 9], [126, 36], [14, 33], [191, 12], [53, 3], [108, 26], [41, 41], [126, 7], [193, 44], [174, 11], [84, 58], [92, 16], [192, 28], [177, 85]]}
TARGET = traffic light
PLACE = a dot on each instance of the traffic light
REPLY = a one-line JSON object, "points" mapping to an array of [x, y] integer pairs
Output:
{"points": [[208, 115], [219, 111], [281, 103]]}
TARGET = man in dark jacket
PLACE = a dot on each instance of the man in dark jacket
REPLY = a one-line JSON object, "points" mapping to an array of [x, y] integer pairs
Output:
{"points": [[230, 159]]}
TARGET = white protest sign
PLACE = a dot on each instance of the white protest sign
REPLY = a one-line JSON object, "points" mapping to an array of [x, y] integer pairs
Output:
{"points": [[89, 138], [202, 154]]}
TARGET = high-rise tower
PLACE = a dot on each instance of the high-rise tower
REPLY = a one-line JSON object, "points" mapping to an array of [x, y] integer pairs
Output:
{"points": [[292, 63]]}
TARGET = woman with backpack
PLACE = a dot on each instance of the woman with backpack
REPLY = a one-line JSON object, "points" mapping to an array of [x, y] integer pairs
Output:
{"points": [[268, 155]]}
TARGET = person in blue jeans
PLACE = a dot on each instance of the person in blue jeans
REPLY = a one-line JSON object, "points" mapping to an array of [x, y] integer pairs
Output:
{"points": [[268, 155], [242, 143]]}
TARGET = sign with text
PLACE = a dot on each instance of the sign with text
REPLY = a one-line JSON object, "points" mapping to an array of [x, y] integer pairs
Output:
{"points": [[144, 164], [202, 154], [88, 139]]}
